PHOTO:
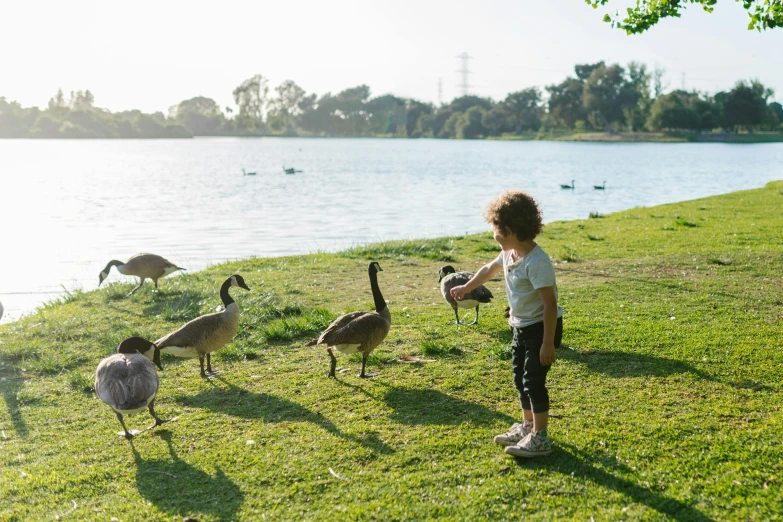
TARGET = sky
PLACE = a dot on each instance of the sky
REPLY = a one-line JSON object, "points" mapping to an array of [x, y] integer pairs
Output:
{"points": [[150, 55]]}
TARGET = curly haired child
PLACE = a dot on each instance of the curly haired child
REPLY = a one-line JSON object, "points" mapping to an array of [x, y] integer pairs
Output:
{"points": [[534, 316]]}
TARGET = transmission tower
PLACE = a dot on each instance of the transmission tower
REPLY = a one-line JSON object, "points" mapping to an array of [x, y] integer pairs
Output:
{"points": [[440, 91], [464, 73]]}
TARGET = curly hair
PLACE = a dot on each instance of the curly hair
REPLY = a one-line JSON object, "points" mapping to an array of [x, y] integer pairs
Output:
{"points": [[516, 211]]}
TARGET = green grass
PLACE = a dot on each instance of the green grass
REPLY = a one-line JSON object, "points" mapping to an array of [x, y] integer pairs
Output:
{"points": [[666, 396]]}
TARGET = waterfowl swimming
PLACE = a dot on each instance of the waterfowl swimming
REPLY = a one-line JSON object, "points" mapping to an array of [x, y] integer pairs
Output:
{"points": [[248, 173], [600, 187], [449, 278], [571, 186], [358, 331], [143, 266], [127, 381], [290, 170], [207, 333]]}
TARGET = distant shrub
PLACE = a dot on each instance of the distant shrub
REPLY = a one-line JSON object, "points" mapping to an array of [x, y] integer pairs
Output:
{"points": [[596, 215]]}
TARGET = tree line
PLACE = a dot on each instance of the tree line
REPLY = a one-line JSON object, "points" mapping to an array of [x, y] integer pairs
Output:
{"points": [[598, 97]]}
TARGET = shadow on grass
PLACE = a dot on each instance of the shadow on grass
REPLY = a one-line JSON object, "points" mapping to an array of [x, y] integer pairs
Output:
{"points": [[174, 486], [623, 364], [571, 461], [175, 306], [238, 402], [425, 406], [11, 383]]}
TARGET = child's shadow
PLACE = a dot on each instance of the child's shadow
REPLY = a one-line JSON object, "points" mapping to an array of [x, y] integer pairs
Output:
{"points": [[175, 486], [573, 462], [427, 406], [624, 364]]}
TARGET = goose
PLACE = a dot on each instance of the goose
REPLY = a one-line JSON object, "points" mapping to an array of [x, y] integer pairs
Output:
{"points": [[127, 381], [449, 278], [358, 331], [207, 333], [290, 170], [571, 186], [248, 173], [600, 187], [143, 266]]}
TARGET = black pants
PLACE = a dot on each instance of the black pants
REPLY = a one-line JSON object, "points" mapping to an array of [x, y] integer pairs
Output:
{"points": [[529, 375]]}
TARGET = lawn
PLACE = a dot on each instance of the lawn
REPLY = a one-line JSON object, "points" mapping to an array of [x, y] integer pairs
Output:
{"points": [[666, 395]]}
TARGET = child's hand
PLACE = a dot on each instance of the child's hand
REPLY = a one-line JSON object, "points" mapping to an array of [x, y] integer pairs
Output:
{"points": [[458, 292], [547, 356]]}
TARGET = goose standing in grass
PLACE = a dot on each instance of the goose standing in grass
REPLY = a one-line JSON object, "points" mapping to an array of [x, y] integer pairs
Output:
{"points": [[600, 187], [358, 331], [127, 381], [449, 278], [207, 333], [571, 186], [143, 266]]}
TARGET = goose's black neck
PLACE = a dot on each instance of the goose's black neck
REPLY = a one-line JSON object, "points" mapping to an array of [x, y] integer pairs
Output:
{"points": [[112, 263], [227, 300], [380, 304]]}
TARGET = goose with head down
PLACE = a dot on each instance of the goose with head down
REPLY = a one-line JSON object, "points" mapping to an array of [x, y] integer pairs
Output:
{"points": [[143, 266], [127, 381], [449, 278], [207, 333], [358, 331]]}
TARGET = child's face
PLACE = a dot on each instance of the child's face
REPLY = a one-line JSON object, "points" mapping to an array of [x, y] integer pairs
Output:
{"points": [[502, 237]]}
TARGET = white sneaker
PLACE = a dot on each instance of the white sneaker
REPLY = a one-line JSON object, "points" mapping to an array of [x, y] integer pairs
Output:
{"points": [[517, 432], [534, 445]]}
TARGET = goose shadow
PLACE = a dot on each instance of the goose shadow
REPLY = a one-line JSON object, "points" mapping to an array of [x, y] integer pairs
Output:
{"points": [[624, 364], [573, 462], [176, 487], [11, 383], [427, 406], [238, 402]]}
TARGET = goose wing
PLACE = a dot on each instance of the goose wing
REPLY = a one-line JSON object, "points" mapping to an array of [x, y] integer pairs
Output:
{"points": [[193, 333], [452, 280], [480, 294], [151, 265], [126, 381], [354, 328]]}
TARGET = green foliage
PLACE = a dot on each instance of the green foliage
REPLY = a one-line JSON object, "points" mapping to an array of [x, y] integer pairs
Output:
{"points": [[763, 14]]}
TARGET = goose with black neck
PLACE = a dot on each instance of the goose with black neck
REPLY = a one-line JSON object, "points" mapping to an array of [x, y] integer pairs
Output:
{"points": [[207, 333], [360, 332]]}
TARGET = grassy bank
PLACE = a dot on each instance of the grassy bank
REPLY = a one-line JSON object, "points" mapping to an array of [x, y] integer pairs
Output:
{"points": [[666, 396]]}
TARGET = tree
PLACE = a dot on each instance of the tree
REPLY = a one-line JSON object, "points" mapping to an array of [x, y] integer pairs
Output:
{"points": [[496, 120], [764, 14], [251, 97], [285, 107], [469, 125], [524, 109], [671, 112], [606, 95], [638, 87], [565, 102], [58, 100], [200, 115], [746, 105]]}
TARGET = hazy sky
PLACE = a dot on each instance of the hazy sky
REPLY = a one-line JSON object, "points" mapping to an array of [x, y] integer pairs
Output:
{"points": [[152, 54]]}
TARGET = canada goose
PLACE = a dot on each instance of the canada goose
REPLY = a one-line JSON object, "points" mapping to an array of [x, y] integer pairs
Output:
{"points": [[127, 381], [203, 335], [449, 278], [358, 331], [600, 187], [290, 170], [571, 186], [143, 266], [248, 173]]}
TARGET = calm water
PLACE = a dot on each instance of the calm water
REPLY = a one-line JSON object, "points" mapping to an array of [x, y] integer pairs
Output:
{"points": [[68, 207]]}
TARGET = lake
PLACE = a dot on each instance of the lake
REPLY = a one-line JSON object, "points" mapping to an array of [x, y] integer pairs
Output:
{"points": [[68, 207]]}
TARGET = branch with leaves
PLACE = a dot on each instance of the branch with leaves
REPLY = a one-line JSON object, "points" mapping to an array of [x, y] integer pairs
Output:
{"points": [[764, 14]]}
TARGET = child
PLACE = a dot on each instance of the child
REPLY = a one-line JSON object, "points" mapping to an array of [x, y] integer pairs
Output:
{"points": [[535, 318]]}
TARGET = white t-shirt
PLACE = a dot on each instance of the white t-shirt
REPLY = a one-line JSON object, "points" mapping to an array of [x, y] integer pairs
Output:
{"points": [[523, 279]]}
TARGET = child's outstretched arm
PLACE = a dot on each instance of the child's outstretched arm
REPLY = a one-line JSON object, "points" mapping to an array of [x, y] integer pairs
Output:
{"points": [[484, 274]]}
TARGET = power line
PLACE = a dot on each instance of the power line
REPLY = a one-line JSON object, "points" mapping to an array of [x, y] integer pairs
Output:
{"points": [[464, 72]]}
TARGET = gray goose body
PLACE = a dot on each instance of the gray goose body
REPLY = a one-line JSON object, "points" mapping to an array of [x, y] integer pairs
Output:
{"points": [[449, 279], [143, 266], [127, 381], [207, 333], [358, 331]]}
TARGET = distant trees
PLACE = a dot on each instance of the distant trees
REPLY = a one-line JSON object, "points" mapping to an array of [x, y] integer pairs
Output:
{"points": [[598, 97], [764, 14]]}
